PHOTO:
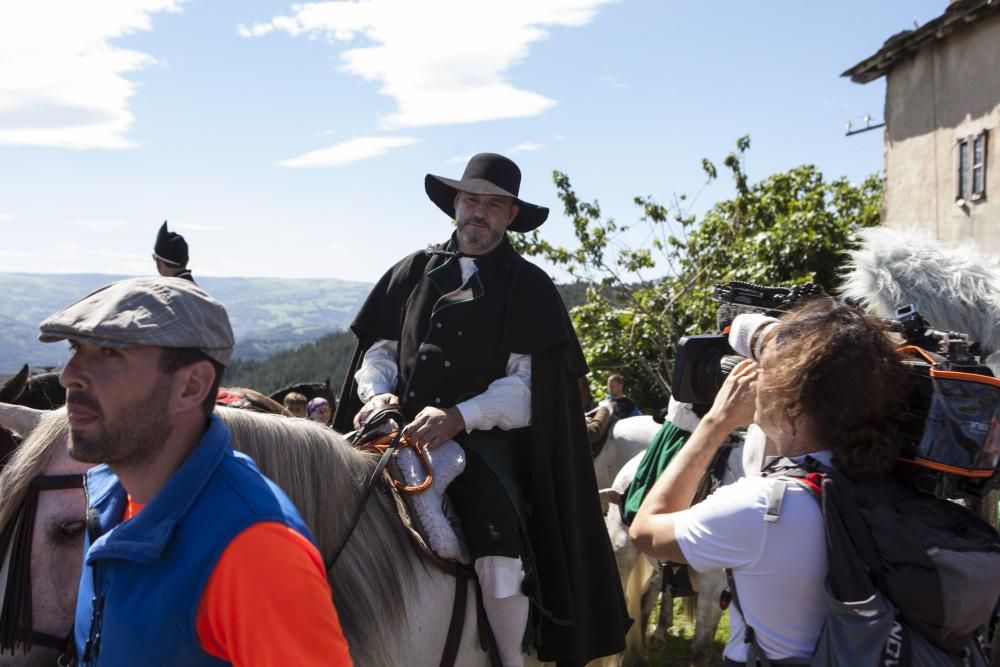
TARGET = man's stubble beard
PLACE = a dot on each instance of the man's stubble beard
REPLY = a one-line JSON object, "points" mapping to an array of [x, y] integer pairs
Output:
{"points": [[479, 239], [139, 435]]}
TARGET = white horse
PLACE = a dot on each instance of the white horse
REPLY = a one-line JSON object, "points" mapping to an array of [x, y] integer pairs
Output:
{"points": [[640, 574], [394, 604], [627, 437], [55, 539]]}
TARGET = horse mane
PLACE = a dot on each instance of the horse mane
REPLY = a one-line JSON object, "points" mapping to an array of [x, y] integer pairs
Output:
{"points": [[29, 460], [324, 477]]}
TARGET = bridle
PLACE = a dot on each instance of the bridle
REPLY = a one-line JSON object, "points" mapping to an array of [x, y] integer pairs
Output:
{"points": [[16, 622]]}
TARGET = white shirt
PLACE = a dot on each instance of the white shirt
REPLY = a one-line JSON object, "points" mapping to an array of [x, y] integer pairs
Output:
{"points": [[506, 403], [779, 567]]}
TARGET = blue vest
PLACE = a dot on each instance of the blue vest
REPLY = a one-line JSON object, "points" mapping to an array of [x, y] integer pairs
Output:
{"points": [[142, 579]]}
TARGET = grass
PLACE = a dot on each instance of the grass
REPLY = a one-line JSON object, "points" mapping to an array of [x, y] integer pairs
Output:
{"points": [[676, 650]]}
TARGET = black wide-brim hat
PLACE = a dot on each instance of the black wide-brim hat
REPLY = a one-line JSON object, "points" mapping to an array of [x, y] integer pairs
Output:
{"points": [[487, 174]]}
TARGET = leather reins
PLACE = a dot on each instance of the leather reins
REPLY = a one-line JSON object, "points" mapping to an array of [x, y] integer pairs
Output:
{"points": [[373, 421]]}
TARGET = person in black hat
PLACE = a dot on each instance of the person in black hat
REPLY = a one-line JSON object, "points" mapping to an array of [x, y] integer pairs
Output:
{"points": [[475, 344], [171, 254]]}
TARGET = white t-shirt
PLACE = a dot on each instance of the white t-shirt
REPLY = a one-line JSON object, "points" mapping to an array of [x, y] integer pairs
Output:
{"points": [[779, 567]]}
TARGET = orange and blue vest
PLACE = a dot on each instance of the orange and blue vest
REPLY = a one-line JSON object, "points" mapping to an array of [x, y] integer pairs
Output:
{"points": [[143, 578]]}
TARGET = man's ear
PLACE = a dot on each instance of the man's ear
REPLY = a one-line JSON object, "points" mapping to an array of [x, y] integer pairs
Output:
{"points": [[192, 384], [514, 210]]}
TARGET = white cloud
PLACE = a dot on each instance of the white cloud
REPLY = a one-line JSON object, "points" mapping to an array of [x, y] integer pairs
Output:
{"points": [[352, 150], [449, 70], [6, 217], [62, 82], [524, 148], [195, 227], [459, 159], [100, 226]]}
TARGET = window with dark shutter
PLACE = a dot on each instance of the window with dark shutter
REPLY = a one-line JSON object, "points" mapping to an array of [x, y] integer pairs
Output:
{"points": [[979, 166], [971, 181], [963, 170]]}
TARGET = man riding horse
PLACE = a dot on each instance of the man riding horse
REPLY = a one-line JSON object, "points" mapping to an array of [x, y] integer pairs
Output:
{"points": [[475, 344]]}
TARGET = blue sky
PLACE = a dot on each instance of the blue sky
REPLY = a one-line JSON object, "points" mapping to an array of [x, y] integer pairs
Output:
{"points": [[292, 140]]}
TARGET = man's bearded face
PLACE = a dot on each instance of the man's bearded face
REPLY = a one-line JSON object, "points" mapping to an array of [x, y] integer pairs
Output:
{"points": [[482, 221]]}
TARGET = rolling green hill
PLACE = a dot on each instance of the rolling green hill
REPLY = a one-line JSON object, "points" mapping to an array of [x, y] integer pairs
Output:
{"points": [[268, 314], [286, 330]]}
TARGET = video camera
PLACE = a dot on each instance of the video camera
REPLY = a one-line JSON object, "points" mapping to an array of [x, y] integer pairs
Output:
{"points": [[950, 425]]}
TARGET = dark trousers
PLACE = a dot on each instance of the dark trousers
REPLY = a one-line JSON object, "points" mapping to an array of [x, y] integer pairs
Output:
{"points": [[489, 521]]}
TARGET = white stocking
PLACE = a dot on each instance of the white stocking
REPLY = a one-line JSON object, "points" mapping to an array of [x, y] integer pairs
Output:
{"points": [[506, 607]]}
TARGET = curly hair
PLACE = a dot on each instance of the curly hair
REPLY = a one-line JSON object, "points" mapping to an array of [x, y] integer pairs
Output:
{"points": [[836, 364]]}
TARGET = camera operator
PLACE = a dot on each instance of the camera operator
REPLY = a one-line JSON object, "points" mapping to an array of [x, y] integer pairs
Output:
{"points": [[827, 384]]}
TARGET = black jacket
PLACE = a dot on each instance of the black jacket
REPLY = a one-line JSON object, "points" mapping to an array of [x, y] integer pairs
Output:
{"points": [[578, 576]]}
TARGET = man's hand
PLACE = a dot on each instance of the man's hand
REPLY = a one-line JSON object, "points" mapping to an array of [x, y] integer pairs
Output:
{"points": [[433, 426], [736, 401], [374, 403]]}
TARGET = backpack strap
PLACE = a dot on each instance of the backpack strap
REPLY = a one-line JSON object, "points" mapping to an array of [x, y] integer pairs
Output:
{"points": [[755, 654], [775, 496], [781, 471]]}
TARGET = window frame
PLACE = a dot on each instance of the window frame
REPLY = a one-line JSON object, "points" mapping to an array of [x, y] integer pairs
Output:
{"points": [[982, 142], [963, 188], [969, 168]]}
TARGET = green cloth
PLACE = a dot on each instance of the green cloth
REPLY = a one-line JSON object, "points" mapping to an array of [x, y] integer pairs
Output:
{"points": [[667, 442]]}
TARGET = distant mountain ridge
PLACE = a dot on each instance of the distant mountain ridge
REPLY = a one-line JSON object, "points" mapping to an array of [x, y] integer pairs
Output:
{"points": [[268, 314]]}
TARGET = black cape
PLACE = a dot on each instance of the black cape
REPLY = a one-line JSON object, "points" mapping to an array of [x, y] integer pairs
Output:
{"points": [[578, 576]]}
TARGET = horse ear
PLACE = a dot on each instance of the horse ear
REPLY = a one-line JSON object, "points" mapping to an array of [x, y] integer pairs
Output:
{"points": [[20, 419], [12, 388]]}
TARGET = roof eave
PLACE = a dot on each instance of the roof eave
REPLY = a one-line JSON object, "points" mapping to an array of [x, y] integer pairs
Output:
{"points": [[957, 16]]}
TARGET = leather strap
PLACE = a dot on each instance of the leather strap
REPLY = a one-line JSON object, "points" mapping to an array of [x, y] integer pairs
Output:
{"points": [[457, 624], [374, 420]]}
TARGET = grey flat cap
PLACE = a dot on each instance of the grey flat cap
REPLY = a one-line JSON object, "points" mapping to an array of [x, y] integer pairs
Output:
{"points": [[161, 312]]}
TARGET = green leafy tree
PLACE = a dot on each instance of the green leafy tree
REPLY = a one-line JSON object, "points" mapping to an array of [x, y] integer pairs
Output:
{"points": [[791, 227]]}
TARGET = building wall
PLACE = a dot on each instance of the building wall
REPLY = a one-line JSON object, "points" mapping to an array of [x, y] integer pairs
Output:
{"points": [[948, 91]]}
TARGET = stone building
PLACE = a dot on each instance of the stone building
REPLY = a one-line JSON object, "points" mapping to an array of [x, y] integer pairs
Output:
{"points": [[942, 114]]}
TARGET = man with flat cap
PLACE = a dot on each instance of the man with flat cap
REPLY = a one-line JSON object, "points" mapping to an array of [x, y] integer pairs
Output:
{"points": [[171, 254], [193, 557], [475, 344]]}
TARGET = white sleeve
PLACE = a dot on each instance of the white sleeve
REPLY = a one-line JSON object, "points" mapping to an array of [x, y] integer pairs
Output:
{"points": [[506, 403], [379, 369], [727, 529]]}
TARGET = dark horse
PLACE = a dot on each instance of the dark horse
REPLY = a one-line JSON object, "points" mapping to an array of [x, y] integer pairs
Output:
{"points": [[42, 392], [310, 390]]}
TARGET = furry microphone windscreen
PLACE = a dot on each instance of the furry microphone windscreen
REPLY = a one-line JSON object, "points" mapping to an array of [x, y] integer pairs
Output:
{"points": [[954, 287]]}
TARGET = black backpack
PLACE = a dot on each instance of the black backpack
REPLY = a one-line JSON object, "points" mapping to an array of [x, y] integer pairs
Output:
{"points": [[911, 580]]}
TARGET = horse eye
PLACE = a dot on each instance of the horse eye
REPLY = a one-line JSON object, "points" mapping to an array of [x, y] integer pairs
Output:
{"points": [[71, 528]]}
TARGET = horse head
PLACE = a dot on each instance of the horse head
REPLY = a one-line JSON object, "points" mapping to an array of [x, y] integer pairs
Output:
{"points": [[13, 387], [42, 522]]}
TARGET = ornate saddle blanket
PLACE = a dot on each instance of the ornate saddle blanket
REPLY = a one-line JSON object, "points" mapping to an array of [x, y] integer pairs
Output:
{"points": [[430, 510], [420, 479]]}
